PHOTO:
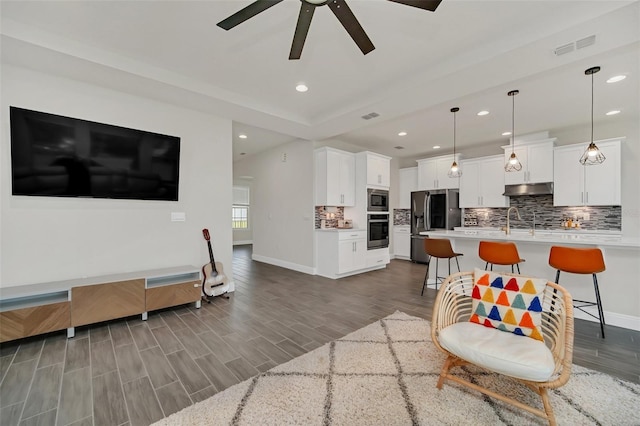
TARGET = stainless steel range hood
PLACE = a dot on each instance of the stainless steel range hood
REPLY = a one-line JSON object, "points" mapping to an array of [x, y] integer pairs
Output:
{"points": [[528, 189]]}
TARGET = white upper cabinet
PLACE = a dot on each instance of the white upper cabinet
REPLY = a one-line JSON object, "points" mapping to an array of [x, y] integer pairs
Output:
{"points": [[378, 169], [433, 173], [596, 185], [536, 159], [482, 182], [335, 177], [407, 183]]}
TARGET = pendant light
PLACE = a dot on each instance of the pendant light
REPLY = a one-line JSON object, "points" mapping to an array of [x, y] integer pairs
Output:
{"points": [[454, 171], [592, 155], [513, 164]]}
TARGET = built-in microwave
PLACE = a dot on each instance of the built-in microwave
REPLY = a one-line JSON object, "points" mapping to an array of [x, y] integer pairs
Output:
{"points": [[377, 200]]}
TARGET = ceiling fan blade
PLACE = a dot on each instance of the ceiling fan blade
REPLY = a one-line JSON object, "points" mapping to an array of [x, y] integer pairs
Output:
{"points": [[422, 4], [248, 12], [351, 24], [302, 28]]}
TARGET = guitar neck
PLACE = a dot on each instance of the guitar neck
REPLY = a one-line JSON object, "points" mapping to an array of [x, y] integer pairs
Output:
{"points": [[211, 259]]}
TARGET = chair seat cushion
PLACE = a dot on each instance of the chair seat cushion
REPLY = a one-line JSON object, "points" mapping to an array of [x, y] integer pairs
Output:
{"points": [[495, 350]]}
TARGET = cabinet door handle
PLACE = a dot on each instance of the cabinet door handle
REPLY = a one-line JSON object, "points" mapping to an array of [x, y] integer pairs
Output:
{"points": [[586, 196], [582, 197]]}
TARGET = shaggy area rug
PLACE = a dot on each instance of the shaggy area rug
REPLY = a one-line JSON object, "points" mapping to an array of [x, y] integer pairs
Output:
{"points": [[386, 374]]}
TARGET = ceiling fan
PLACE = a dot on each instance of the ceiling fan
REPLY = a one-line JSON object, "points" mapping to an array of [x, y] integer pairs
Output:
{"points": [[338, 7]]}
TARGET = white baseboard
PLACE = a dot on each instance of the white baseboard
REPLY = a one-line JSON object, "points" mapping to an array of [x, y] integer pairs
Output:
{"points": [[277, 262], [611, 318], [242, 242]]}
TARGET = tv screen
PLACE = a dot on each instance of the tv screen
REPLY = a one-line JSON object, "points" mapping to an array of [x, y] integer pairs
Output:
{"points": [[58, 156]]}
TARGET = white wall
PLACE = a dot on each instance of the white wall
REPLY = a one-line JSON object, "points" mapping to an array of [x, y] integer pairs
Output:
{"points": [[50, 239], [282, 204]]}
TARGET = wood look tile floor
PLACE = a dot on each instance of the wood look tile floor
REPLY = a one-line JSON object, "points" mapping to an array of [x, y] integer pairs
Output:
{"points": [[134, 372]]}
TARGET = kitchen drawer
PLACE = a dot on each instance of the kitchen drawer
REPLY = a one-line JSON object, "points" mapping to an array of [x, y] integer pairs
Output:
{"points": [[352, 235], [377, 259]]}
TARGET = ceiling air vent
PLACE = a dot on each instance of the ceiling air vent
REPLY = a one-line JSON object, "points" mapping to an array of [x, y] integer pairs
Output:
{"points": [[371, 115], [563, 49], [584, 42]]}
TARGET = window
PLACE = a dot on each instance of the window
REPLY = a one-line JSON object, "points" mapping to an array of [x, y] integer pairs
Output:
{"points": [[240, 209]]}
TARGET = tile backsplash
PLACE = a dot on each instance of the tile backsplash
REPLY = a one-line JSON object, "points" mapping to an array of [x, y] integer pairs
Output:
{"points": [[331, 219], [548, 216], [402, 216]]}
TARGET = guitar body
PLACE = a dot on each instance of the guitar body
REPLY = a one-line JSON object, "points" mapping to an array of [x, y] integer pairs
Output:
{"points": [[214, 282]]}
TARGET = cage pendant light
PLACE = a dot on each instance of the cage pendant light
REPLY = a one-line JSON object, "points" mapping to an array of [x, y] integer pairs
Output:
{"points": [[592, 155], [454, 171], [513, 164]]}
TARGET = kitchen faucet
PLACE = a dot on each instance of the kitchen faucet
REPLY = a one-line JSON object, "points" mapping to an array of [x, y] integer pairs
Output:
{"points": [[533, 228], [508, 229]]}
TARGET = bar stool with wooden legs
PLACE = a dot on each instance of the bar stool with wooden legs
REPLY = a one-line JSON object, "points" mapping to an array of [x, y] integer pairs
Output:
{"points": [[580, 261], [440, 248], [499, 253]]}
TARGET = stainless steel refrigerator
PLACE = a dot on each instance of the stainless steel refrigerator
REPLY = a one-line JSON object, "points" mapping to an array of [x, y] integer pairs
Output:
{"points": [[438, 209]]}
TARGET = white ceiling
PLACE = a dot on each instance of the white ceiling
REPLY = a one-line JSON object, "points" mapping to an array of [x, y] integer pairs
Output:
{"points": [[467, 54]]}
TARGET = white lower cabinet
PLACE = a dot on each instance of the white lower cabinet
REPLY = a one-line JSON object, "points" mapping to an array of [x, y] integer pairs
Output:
{"points": [[340, 252], [402, 243], [352, 251]]}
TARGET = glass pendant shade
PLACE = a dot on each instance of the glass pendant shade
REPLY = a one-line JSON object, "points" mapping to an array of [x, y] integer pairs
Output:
{"points": [[454, 171], [513, 164], [592, 155]]}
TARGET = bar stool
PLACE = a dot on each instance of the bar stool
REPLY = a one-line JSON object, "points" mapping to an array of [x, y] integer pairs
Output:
{"points": [[440, 248], [580, 261], [499, 253]]}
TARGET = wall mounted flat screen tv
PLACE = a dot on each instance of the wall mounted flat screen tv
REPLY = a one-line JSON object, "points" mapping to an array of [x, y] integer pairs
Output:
{"points": [[58, 156]]}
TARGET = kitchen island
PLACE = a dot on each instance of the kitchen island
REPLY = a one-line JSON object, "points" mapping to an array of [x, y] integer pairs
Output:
{"points": [[619, 284]]}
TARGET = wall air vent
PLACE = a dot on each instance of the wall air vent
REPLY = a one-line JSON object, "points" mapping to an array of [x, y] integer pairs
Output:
{"points": [[584, 42], [574, 45], [563, 49], [371, 115]]}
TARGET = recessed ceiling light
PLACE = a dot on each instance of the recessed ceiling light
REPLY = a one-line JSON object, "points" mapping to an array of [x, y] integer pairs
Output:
{"points": [[614, 112], [302, 87], [399, 147], [506, 133], [616, 78], [483, 113], [402, 134], [242, 136], [436, 147]]}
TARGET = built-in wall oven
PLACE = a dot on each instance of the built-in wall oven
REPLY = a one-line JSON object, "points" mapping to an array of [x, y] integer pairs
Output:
{"points": [[377, 231], [377, 200]]}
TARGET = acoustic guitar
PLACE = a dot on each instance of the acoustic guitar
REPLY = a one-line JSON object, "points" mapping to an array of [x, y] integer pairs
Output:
{"points": [[214, 282]]}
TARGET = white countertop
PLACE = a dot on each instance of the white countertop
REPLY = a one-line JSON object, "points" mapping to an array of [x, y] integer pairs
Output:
{"points": [[339, 229], [577, 237]]}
